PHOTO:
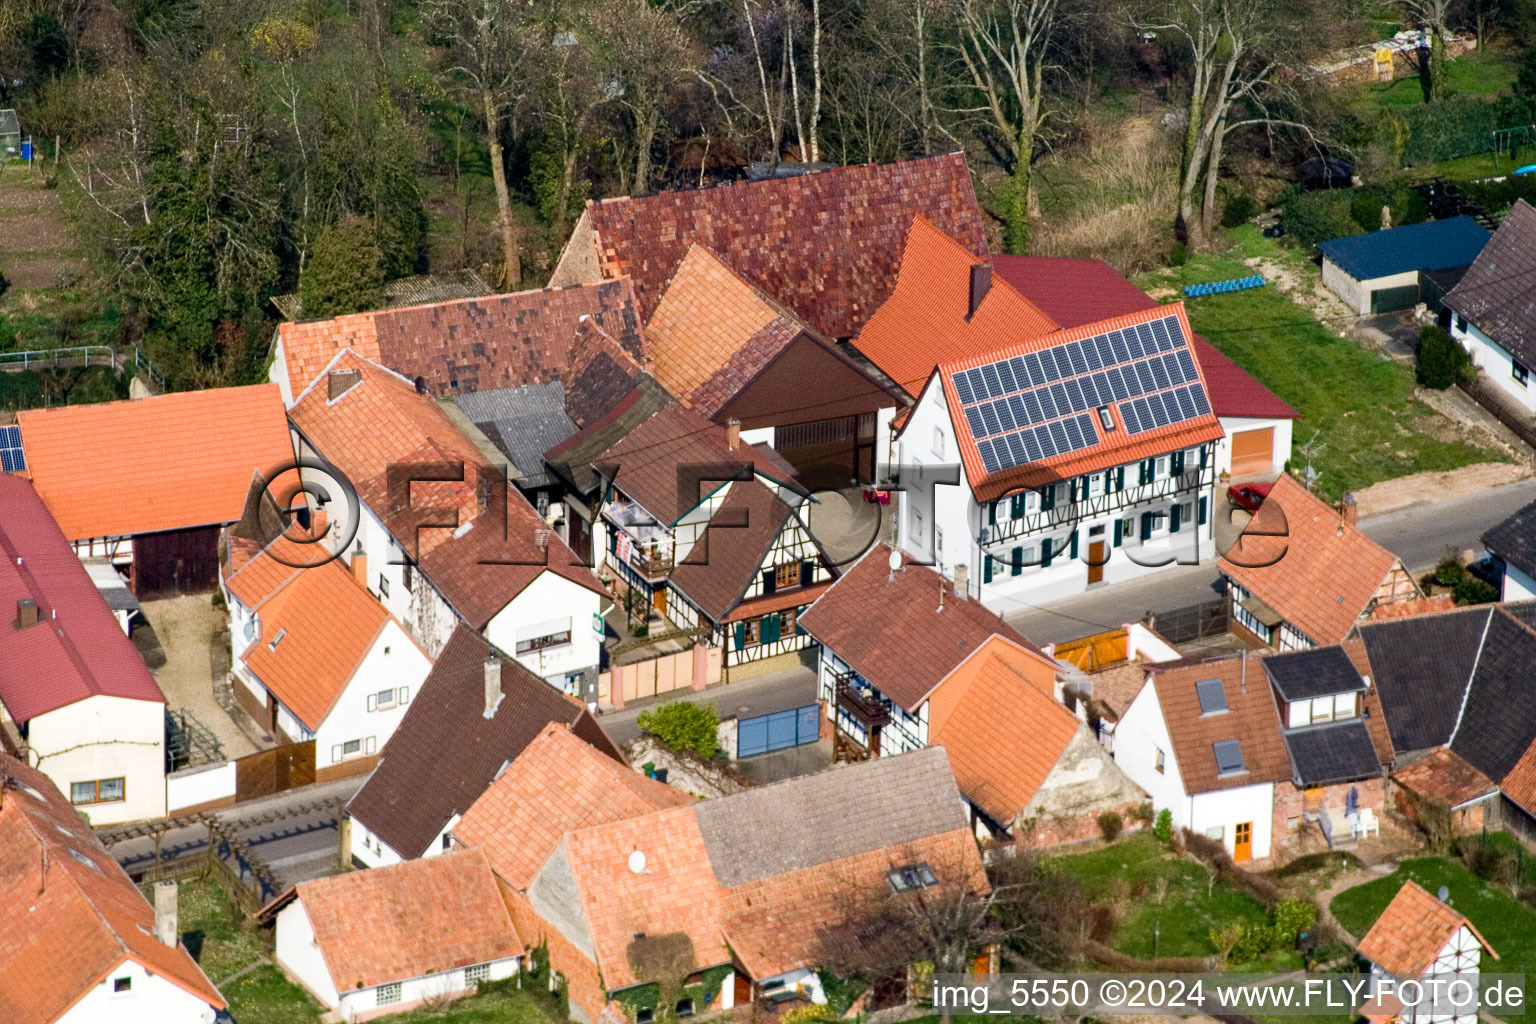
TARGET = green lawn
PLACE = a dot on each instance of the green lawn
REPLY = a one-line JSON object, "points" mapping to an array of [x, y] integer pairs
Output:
{"points": [[214, 933], [1161, 894], [1359, 404], [1479, 73], [1506, 923]]}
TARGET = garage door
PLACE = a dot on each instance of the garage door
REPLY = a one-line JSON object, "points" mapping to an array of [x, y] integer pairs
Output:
{"points": [[1252, 451]]}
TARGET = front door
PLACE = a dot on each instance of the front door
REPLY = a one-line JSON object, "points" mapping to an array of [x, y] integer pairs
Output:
{"points": [[659, 600], [1096, 560], [1312, 799], [1242, 842]]}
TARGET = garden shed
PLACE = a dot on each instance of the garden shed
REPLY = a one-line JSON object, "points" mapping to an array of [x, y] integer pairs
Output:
{"points": [[1378, 272], [10, 133]]}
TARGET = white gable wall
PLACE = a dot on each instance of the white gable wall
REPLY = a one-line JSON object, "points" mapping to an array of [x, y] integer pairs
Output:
{"points": [[1518, 586], [150, 999], [539, 609], [394, 662], [299, 957], [105, 738], [1140, 734], [1495, 361]]}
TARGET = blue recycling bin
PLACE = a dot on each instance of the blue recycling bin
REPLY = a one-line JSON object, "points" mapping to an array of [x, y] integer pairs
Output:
{"points": [[26, 150]]}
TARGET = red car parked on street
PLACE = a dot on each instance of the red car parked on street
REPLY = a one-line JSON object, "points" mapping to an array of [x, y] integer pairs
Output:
{"points": [[1248, 496]]}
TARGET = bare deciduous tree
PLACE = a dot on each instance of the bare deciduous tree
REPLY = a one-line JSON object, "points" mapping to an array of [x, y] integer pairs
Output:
{"points": [[643, 51]]}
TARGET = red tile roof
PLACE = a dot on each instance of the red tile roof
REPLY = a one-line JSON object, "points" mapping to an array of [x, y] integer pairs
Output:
{"points": [[1251, 719], [1445, 778], [1409, 609], [1301, 558], [316, 629], [1080, 291], [908, 646], [676, 458], [478, 344], [925, 321], [382, 422], [558, 783], [1520, 784], [825, 245], [1006, 730], [409, 920], [77, 650], [1411, 932], [1116, 449], [72, 916], [177, 461], [730, 552]]}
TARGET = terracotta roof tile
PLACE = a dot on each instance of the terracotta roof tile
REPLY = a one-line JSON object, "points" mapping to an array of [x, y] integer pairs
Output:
{"points": [[1413, 929], [446, 753], [409, 920], [1250, 718], [730, 552], [1298, 556], [1409, 609], [676, 458], [77, 649], [557, 784], [72, 915], [178, 460], [598, 373], [1006, 730], [1520, 784], [478, 344], [316, 628], [1443, 777], [381, 425], [909, 646], [925, 322], [825, 245]]}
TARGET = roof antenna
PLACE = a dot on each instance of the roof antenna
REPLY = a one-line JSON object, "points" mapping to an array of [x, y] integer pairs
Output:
{"points": [[941, 592]]}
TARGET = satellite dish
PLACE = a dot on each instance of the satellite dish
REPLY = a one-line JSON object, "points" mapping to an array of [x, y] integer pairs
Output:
{"points": [[895, 560], [637, 862], [1444, 894]]}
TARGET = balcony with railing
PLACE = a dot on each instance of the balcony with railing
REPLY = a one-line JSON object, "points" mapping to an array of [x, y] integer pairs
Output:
{"points": [[861, 700], [640, 541]]}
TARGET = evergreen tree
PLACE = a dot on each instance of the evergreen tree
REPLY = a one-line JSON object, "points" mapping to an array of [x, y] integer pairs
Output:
{"points": [[345, 272]]}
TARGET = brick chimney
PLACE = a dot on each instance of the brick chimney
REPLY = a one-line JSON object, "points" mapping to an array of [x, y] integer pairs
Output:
{"points": [[733, 433], [166, 926], [27, 613], [492, 684], [981, 283], [962, 580], [339, 382], [1347, 508], [359, 565]]}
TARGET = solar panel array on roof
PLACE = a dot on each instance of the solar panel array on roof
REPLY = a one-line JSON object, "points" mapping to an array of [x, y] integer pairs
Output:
{"points": [[1034, 406], [12, 459]]}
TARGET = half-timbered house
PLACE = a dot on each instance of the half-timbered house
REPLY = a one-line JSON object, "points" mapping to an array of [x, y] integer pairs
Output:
{"points": [[1419, 935]]}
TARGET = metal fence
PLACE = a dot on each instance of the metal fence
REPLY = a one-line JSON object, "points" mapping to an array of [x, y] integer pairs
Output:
{"points": [[81, 355], [1192, 622]]}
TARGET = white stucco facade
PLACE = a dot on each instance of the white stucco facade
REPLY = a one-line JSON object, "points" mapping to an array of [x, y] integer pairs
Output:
{"points": [[1357, 293], [1518, 586], [1280, 441], [1124, 518], [300, 957], [1499, 367], [130, 994], [371, 851], [115, 743], [1143, 749], [528, 629]]}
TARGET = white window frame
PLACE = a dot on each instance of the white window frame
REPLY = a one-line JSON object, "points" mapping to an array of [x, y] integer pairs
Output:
{"points": [[474, 974], [1343, 706], [938, 441], [1160, 761], [1160, 467]]}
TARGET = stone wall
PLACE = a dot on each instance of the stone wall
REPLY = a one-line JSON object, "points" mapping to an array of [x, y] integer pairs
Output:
{"points": [[687, 772]]}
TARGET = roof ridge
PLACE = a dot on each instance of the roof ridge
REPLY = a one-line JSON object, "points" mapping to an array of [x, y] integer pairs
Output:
{"points": [[1466, 691]]}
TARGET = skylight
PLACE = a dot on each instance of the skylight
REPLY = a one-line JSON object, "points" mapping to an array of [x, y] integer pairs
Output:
{"points": [[912, 877], [1229, 757], [1213, 699]]}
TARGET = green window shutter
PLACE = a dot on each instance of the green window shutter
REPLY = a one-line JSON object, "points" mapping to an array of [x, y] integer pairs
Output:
{"points": [[1073, 552], [1146, 525], [1046, 553], [1142, 474], [799, 629], [1174, 515], [741, 635], [807, 573], [1047, 497], [986, 569], [1202, 512], [1120, 478], [1018, 561], [768, 582], [1071, 490], [992, 513], [1016, 506], [1205, 451], [1119, 532], [1176, 463], [770, 632]]}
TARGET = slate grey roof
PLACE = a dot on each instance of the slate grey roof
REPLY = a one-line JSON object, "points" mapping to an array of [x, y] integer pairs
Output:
{"points": [[1428, 245], [1421, 667], [1326, 754], [572, 458], [1499, 720], [1318, 672], [833, 814], [1514, 540], [1498, 293], [523, 423]]}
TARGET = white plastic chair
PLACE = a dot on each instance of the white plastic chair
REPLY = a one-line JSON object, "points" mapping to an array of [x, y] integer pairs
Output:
{"points": [[1369, 822]]}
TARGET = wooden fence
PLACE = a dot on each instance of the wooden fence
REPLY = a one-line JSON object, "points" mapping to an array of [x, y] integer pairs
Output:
{"points": [[1487, 395], [693, 669]]}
